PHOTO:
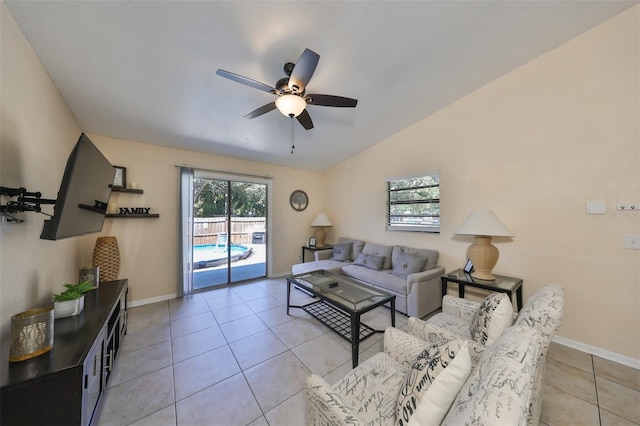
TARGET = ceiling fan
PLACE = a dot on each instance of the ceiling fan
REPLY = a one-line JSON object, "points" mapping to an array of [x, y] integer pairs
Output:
{"points": [[290, 91]]}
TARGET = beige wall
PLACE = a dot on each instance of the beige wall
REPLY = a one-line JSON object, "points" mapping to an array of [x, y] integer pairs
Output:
{"points": [[149, 247], [37, 133], [534, 147]]}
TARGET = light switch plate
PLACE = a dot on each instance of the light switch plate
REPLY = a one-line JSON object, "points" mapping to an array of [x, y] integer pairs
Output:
{"points": [[596, 207], [632, 241]]}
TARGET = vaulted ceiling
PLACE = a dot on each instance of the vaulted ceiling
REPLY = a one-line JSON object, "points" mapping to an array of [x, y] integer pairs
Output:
{"points": [[146, 71]]}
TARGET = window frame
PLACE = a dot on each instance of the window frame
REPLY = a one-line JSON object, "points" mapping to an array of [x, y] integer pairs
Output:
{"points": [[421, 227]]}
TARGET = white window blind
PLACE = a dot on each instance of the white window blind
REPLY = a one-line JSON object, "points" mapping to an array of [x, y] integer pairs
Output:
{"points": [[413, 203]]}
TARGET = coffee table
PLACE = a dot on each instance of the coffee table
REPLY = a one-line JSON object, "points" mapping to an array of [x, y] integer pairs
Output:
{"points": [[342, 301]]}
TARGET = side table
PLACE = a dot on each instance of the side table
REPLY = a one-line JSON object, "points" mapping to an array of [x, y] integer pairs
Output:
{"points": [[502, 284], [314, 249]]}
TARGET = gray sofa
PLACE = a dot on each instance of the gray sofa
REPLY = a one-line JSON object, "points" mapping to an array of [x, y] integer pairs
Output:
{"points": [[411, 274]]}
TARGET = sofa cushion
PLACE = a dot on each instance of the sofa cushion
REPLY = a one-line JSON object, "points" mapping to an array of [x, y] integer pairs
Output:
{"points": [[342, 252], [432, 256], [406, 263], [323, 398], [326, 265], [382, 279], [499, 390], [356, 247], [371, 261], [452, 324], [544, 311], [494, 316], [428, 366], [371, 389], [380, 250]]}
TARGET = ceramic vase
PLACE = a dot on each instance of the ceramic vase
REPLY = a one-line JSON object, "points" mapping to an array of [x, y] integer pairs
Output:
{"points": [[68, 308]]}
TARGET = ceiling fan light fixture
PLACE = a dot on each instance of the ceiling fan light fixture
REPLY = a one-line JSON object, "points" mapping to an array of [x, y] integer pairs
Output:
{"points": [[291, 105]]}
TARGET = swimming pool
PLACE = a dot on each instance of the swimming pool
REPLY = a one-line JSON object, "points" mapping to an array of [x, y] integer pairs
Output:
{"points": [[210, 255]]}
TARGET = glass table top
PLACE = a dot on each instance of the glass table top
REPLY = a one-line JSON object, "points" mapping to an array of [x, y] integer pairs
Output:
{"points": [[501, 281], [341, 289]]}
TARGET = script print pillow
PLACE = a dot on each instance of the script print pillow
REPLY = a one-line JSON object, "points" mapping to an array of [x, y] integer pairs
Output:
{"points": [[424, 372], [494, 316]]}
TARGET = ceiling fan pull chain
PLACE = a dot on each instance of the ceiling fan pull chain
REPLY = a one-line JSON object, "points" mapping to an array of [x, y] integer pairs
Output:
{"points": [[292, 145]]}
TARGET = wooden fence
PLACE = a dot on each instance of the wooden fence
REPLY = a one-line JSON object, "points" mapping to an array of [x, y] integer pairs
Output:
{"points": [[244, 230]]}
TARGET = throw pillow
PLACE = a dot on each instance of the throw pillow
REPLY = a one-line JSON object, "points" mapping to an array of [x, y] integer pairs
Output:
{"points": [[406, 264], [438, 399], [371, 261], [342, 252], [380, 250], [428, 367], [494, 316]]}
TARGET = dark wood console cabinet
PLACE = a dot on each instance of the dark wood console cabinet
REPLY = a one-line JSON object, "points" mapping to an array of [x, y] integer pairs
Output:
{"points": [[65, 386]]}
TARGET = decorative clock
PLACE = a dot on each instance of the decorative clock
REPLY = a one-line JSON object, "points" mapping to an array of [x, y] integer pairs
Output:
{"points": [[299, 200]]}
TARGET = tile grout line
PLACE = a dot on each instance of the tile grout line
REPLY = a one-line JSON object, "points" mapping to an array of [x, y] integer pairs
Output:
{"points": [[595, 384], [173, 371]]}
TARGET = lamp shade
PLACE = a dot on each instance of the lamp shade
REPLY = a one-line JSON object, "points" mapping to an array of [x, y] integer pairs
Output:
{"points": [[321, 220], [291, 105], [483, 222]]}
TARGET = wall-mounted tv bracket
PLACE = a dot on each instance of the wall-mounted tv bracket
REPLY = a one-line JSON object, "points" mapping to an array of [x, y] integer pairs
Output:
{"points": [[26, 202]]}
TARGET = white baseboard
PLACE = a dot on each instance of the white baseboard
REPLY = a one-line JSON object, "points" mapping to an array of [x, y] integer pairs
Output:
{"points": [[165, 297], [152, 300], [602, 353]]}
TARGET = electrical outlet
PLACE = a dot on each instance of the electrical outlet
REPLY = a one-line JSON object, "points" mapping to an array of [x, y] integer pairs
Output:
{"points": [[627, 207], [299, 257]]}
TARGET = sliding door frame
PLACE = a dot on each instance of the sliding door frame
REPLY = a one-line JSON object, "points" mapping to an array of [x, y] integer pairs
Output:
{"points": [[186, 223]]}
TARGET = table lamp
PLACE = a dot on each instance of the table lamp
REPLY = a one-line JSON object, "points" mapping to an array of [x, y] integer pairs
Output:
{"points": [[319, 223], [483, 225]]}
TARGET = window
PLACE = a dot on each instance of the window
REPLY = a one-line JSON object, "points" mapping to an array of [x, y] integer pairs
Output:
{"points": [[413, 203]]}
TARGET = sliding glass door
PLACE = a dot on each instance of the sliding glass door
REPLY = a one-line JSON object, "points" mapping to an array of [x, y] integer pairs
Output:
{"points": [[228, 230]]}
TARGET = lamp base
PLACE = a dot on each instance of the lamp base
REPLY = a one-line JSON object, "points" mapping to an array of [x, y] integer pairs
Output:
{"points": [[320, 236], [483, 256]]}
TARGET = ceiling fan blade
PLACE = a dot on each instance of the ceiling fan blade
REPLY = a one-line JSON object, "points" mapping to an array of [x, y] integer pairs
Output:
{"points": [[246, 81], [303, 70], [331, 101], [262, 110], [305, 119]]}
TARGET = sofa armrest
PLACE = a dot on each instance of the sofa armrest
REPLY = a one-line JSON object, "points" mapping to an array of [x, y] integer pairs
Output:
{"points": [[322, 254], [431, 333], [402, 346], [325, 407], [461, 308], [424, 292]]}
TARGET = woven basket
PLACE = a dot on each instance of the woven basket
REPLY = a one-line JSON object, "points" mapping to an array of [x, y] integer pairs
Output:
{"points": [[106, 255]]}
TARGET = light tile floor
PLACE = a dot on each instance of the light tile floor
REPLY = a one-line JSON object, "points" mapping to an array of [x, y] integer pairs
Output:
{"points": [[233, 357]]}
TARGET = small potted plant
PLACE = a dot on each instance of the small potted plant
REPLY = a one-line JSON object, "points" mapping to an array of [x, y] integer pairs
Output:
{"points": [[71, 301]]}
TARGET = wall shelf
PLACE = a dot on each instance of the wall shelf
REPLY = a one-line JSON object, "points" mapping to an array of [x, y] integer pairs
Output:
{"points": [[129, 190], [133, 216]]}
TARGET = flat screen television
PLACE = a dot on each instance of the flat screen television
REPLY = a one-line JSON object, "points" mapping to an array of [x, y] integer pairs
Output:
{"points": [[84, 193]]}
